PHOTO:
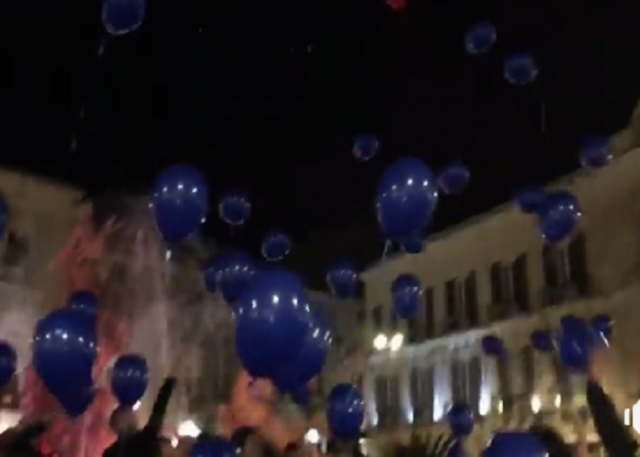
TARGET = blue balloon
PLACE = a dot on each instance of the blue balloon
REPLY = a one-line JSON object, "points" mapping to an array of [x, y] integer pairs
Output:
{"points": [[603, 324], [64, 348], [130, 379], [310, 359], [238, 271], [520, 69], [212, 274], [180, 202], [342, 279], [120, 17], [460, 420], [235, 208], [345, 411], [480, 37], [530, 199], [457, 449], [272, 321], [406, 291], [4, 216], [596, 152], [515, 444], [576, 341], [492, 346], [413, 245], [542, 340], [77, 402], [571, 322], [216, 447], [365, 147], [302, 396], [276, 245], [454, 179], [84, 300], [8, 363], [559, 216], [407, 197]]}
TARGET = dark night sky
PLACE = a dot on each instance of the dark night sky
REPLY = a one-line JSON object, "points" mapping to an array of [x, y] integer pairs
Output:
{"points": [[230, 86]]}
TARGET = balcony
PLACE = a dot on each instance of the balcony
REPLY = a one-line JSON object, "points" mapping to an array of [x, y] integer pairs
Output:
{"points": [[552, 296]]}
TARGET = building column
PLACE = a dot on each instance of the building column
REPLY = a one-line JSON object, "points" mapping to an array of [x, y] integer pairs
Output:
{"points": [[368, 392], [405, 392], [442, 386]]}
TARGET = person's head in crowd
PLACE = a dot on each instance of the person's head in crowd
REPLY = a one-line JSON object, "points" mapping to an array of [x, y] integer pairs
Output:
{"points": [[123, 421]]}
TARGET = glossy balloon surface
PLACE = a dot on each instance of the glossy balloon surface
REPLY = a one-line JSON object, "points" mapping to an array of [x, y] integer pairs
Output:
{"points": [[365, 147], [406, 291], [84, 300], [130, 379], [530, 199], [237, 273], [272, 318], [120, 17], [64, 351], [480, 37], [342, 279], [235, 208], [406, 199], [559, 216], [8, 363], [276, 245], [520, 69], [180, 202], [460, 419], [595, 152], [454, 179], [345, 411], [310, 358]]}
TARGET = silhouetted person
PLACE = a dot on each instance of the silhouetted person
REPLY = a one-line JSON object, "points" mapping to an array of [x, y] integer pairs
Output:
{"points": [[20, 441]]}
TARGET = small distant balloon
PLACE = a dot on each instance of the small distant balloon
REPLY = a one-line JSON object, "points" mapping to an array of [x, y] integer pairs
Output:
{"points": [[492, 346], [480, 37], [130, 379], [413, 245], [84, 300], [120, 17], [460, 418], [345, 411], [559, 216], [276, 245], [235, 208], [542, 340], [406, 291], [407, 197], [530, 199], [4, 216], [8, 363], [365, 147], [595, 152], [342, 279], [180, 202], [454, 179], [520, 69]]}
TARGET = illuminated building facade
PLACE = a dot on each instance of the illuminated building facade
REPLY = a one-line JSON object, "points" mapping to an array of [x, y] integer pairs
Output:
{"points": [[495, 275]]}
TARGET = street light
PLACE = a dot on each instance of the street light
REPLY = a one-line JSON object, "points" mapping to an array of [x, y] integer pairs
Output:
{"points": [[312, 436], [382, 342]]}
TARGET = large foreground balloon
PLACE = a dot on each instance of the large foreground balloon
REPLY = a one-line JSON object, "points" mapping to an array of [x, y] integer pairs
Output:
{"points": [[84, 300], [215, 447], [407, 197], [180, 202], [406, 291], [272, 321], [310, 359], [64, 351], [237, 272], [8, 363], [120, 17], [342, 279], [559, 216], [345, 411], [129, 379], [480, 37], [515, 444]]}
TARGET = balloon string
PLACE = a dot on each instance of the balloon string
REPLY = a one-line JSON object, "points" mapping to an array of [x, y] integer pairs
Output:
{"points": [[387, 249]]}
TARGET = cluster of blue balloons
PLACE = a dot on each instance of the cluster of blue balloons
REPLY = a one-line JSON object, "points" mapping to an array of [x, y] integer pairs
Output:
{"points": [[558, 212], [64, 350]]}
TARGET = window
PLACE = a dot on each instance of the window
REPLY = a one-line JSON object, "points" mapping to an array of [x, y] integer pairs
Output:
{"points": [[422, 394], [554, 265], [466, 379], [382, 394], [471, 299], [394, 319], [377, 318], [429, 319], [413, 330], [458, 381], [501, 287], [521, 283], [387, 392], [452, 301], [474, 382], [577, 253], [504, 384]]}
